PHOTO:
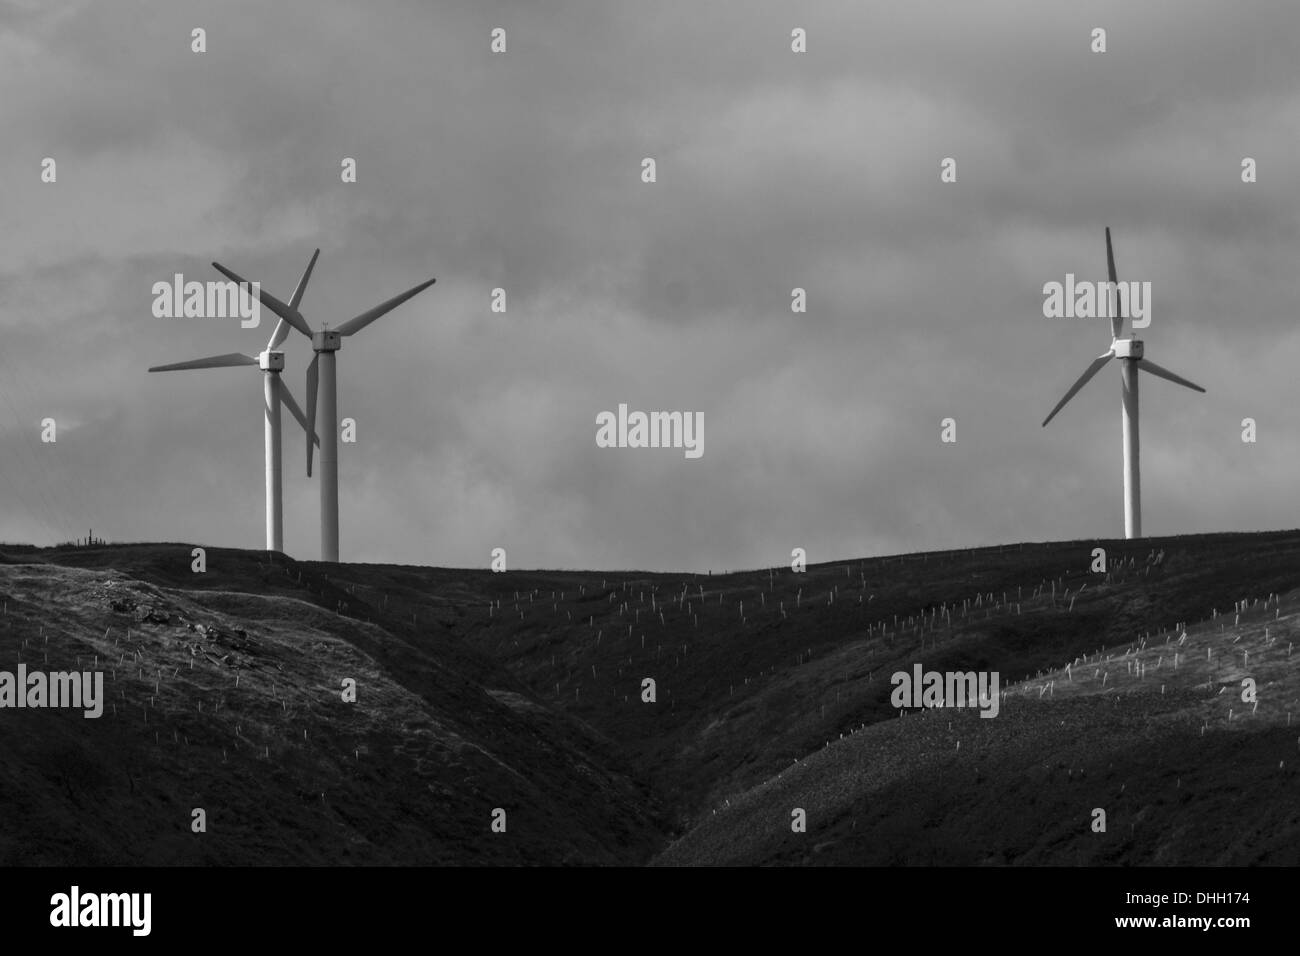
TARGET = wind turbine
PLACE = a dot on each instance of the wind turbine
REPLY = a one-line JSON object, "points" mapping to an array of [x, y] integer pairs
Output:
{"points": [[1131, 355], [275, 393], [322, 386]]}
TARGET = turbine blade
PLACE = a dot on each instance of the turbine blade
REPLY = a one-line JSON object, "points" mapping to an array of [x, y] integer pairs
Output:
{"points": [[292, 316], [1146, 365], [296, 411], [279, 335], [1116, 320], [1097, 364], [296, 299], [352, 326], [311, 407], [212, 361]]}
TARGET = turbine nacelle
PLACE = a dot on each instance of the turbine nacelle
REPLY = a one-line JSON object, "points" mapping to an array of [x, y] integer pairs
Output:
{"points": [[1127, 348], [271, 361], [327, 340]]}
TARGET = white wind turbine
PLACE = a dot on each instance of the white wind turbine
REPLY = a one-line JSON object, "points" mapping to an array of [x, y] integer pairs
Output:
{"points": [[1130, 353], [275, 393], [325, 343]]}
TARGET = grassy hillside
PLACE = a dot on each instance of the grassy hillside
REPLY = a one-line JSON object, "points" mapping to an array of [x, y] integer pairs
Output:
{"points": [[768, 666], [524, 690], [225, 694]]}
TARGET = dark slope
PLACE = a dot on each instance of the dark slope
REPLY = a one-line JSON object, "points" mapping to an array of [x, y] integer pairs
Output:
{"points": [[1156, 734], [286, 771], [741, 698], [529, 684]]}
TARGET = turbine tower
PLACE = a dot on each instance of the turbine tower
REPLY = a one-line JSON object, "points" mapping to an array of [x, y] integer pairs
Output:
{"points": [[322, 387], [1131, 355], [275, 393]]}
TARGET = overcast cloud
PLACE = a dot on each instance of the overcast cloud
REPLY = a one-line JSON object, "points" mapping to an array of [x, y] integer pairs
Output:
{"points": [[775, 170]]}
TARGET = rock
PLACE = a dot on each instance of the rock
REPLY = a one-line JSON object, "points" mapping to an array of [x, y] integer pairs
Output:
{"points": [[147, 614]]}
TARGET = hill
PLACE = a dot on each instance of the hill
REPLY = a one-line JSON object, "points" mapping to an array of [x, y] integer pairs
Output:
{"points": [[527, 690], [225, 694]]}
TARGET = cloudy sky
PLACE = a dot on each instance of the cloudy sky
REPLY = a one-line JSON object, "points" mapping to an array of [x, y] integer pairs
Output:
{"points": [[775, 170]]}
